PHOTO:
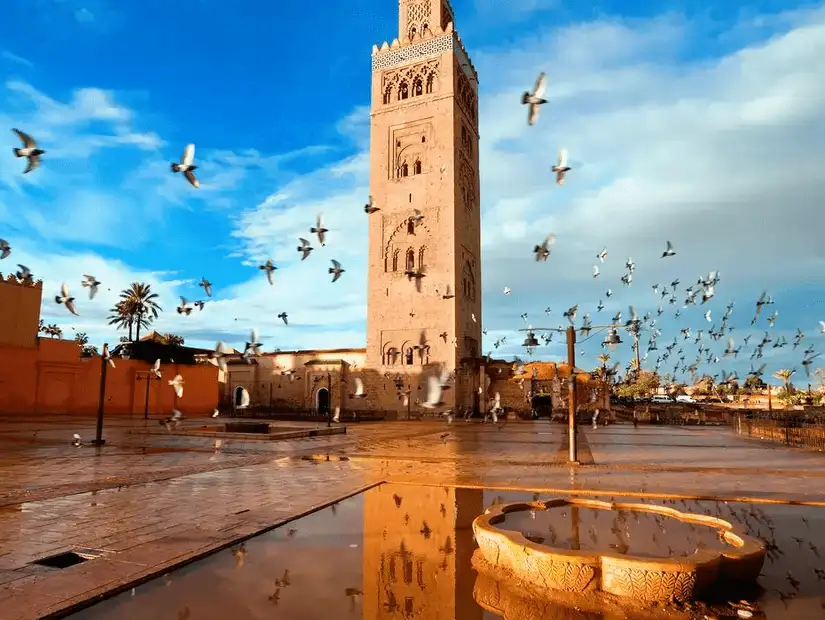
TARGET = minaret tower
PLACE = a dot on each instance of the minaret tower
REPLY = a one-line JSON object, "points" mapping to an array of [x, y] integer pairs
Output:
{"points": [[424, 159]]}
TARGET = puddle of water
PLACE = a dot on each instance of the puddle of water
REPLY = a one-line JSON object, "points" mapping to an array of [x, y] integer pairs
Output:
{"points": [[405, 552], [636, 533]]}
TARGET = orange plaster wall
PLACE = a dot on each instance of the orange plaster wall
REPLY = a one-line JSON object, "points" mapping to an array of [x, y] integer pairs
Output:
{"points": [[53, 378]]}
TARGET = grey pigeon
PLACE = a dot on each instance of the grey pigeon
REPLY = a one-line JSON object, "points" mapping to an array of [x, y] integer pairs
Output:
{"points": [[268, 267], [29, 150], [319, 229], [65, 299], [304, 248], [370, 207], [5, 248], [91, 283], [207, 286], [336, 270]]}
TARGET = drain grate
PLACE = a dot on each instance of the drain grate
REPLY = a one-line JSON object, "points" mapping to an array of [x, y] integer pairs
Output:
{"points": [[70, 558]]}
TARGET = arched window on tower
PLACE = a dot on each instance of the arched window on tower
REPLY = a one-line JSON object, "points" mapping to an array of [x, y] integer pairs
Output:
{"points": [[388, 95], [408, 356], [410, 227], [403, 90], [395, 260], [468, 282], [417, 167], [428, 88], [410, 260], [405, 169], [420, 258], [413, 32], [418, 88]]}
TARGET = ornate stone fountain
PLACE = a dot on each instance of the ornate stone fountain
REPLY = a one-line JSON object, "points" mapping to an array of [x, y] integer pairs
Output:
{"points": [[541, 570]]}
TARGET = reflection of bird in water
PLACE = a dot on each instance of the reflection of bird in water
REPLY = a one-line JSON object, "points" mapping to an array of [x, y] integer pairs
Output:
{"points": [[784, 597], [820, 574], [167, 579], [406, 519], [794, 582], [283, 581], [814, 549], [447, 549], [239, 552], [397, 499], [426, 531], [620, 547], [798, 541], [291, 533], [275, 597], [354, 595], [443, 510]]}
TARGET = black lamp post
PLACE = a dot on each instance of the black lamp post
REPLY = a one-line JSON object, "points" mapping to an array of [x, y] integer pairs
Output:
{"points": [[531, 342], [149, 377], [104, 364]]}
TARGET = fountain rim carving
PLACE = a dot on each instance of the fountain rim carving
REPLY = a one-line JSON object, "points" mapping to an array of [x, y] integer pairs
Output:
{"points": [[645, 578]]}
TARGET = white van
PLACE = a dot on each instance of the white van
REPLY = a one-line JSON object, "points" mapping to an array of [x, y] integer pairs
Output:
{"points": [[684, 398], [661, 398]]}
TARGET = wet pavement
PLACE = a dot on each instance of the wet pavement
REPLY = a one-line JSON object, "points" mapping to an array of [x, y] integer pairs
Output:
{"points": [[150, 501]]}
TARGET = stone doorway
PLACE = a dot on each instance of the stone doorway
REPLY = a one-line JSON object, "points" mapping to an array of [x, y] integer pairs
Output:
{"points": [[322, 401]]}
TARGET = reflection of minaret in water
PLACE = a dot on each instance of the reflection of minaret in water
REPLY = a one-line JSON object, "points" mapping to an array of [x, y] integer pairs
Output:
{"points": [[418, 542]]}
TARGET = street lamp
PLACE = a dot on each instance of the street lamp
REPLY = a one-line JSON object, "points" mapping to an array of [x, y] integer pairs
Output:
{"points": [[150, 376], [530, 343], [104, 364]]}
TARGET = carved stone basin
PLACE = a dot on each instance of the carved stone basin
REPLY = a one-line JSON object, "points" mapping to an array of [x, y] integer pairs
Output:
{"points": [[620, 564]]}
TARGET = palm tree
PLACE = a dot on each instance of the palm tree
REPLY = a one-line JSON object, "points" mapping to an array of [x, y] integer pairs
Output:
{"points": [[81, 338], [139, 303], [173, 339], [121, 317], [784, 374]]}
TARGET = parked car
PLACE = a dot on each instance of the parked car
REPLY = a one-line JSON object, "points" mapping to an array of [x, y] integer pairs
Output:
{"points": [[684, 398], [661, 398]]}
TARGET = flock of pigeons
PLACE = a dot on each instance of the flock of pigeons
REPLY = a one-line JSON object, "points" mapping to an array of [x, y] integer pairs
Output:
{"points": [[699, 293], [703, 291]]}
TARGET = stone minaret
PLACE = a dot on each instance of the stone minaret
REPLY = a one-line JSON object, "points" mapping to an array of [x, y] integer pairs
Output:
{"points": [[424, 158]]}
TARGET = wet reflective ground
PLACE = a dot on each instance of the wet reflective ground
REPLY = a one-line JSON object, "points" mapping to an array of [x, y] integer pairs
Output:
{"points": [[402, 551]]}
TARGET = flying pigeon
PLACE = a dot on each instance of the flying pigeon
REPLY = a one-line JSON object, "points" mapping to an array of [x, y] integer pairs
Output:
{"points": [[542, 251], [65, 299], [199, 305], [435, 388], [561, 168], [207, 286], [600, 307], [336, 270], [217, 357], [76, 440], [23, 273], [252, 347], [359, 389], [822, 327], [244, 400], [29, 150], [669, 251], [269, 267], [630, 265], [5, 248], [185, 166], [707, 316], [91, 283], [184, 308], [370, 207], [602, 255], [177, 384], [319, 229], [534, 99], [304, 248], [608, 292], [507, 290], [596, 271], [107, 357], [155, 370], [284, 317]]}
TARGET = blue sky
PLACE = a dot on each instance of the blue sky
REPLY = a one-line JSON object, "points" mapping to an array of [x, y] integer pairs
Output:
{"points": [[695, 123]]}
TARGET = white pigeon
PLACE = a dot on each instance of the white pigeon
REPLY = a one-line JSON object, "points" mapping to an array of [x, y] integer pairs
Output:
{"points": [[155, 370], [336, 417], [435, 388], [65, 299], [91, 283], [216, 413], [602, 255], [707, 316], [822, 327], [596, 271], [186, 166], [534, 99], [244, 399], [561, 168], [177, 384], [669, 251], [76, 440], [359, 389], [507, 290]]}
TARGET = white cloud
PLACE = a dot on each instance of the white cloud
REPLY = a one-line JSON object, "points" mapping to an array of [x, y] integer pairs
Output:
{"points": [[84, 15], [11, 56], [723, 157]]}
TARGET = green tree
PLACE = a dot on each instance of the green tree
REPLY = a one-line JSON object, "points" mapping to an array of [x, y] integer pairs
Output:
{"points": [[81, 338], [642, 385], [137, 308]]}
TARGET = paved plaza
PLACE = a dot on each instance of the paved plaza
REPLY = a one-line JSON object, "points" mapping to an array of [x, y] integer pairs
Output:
{"points": [[150, 501]]}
